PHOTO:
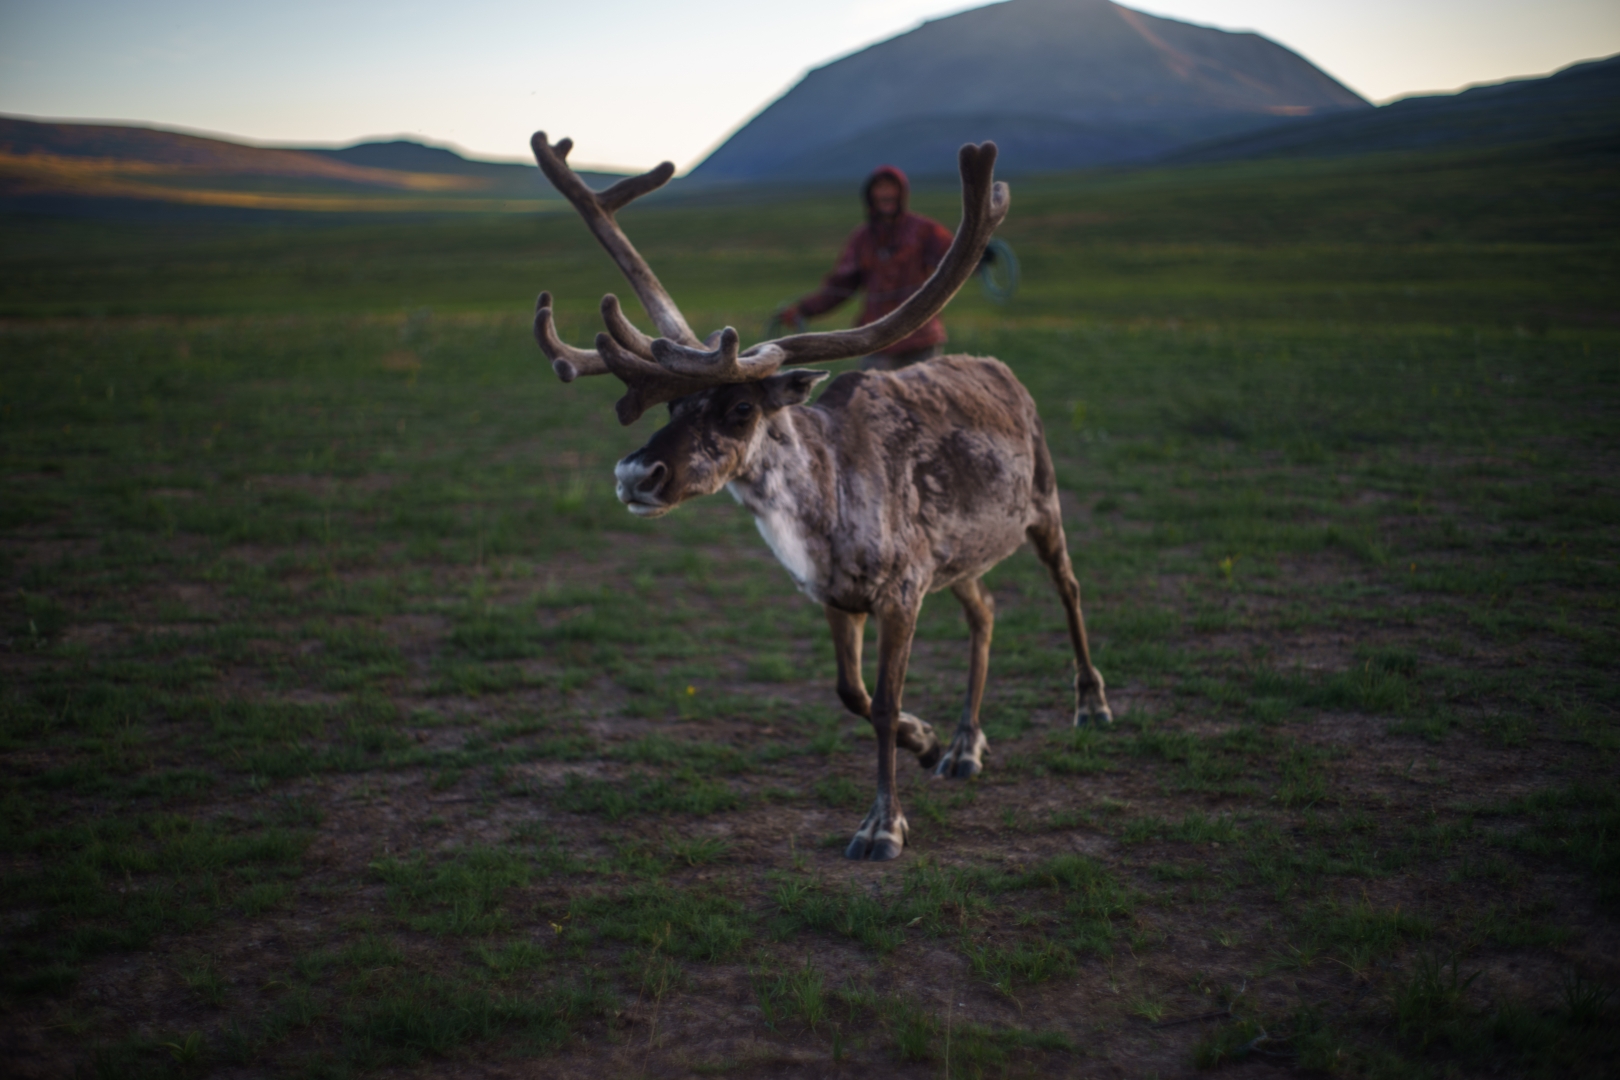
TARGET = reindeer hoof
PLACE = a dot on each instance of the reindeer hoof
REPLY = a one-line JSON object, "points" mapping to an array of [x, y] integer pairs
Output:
{"points": [[879, 838], [1089, 701], [963, 760], [1100, 714], [880, 849], [918, 737]]}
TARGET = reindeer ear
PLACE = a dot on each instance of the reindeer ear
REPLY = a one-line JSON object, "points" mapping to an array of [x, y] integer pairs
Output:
{"points": [[790, 387]]}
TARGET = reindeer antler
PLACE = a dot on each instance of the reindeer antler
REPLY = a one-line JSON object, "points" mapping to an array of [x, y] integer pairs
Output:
{"points": [[598, 208], [657, 370], [985, 202]]}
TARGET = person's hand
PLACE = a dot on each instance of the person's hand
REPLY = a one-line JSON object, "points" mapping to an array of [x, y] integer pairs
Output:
{"points": [[789, 316]]}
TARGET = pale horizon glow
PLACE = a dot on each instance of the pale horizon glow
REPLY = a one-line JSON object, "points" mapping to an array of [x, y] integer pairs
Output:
{"points": [[634, 82]]}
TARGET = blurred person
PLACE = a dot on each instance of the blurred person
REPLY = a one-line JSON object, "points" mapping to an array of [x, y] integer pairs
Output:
{"points": [[889, 257]]}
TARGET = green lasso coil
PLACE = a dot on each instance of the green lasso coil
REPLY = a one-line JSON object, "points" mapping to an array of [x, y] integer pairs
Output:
{"points": [[775, 327], [998, 271]]}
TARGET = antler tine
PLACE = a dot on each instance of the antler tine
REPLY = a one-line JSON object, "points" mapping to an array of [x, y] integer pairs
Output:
{"points": [[646, 383], [568, 362], [721, 364], [673, 370], [985, 202], [634, 187], [598, 208], [624, 332]]}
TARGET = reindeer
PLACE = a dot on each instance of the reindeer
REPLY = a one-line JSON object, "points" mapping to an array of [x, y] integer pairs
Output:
{"points": [[892, 485]]}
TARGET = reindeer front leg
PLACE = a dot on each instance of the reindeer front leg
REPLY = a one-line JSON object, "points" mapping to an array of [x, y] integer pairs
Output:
{"points": [[883, 834], [911, 734]]}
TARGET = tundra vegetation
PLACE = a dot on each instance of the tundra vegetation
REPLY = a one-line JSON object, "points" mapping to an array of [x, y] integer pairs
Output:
{"points": [[350, 724]]}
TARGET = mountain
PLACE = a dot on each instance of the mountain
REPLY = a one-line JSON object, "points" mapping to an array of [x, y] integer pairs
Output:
{"points": [[1059, 84], [1579, 103], [53, 165]]}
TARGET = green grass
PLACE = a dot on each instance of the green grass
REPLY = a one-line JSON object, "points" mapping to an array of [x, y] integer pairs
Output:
{"points": [[461, 895], [684, 792], [324, 630], [684, 923]]}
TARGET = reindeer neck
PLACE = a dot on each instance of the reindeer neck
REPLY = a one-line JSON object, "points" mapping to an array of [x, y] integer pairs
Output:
{"points": [[785, 485]]}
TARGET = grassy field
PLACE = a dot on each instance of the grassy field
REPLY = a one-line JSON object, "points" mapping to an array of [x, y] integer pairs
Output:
{"points": [[349, 725]]}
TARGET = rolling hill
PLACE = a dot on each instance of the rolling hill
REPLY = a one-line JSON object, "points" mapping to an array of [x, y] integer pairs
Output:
{"points": [[1577, 104], [60, 164], [402, 155]]}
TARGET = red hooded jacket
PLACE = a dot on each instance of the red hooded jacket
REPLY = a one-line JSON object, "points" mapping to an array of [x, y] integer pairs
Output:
{"points": [[890, 260]]}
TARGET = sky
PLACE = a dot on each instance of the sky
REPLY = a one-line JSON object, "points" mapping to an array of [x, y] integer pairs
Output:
{"points": [[634, 82]]}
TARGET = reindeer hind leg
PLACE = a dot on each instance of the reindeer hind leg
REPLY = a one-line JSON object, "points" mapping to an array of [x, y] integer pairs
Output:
{"points": [[964, 758], [1046, 535]]}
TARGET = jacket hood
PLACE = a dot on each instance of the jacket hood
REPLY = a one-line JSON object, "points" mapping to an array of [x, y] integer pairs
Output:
{"points": [[886, 172]]}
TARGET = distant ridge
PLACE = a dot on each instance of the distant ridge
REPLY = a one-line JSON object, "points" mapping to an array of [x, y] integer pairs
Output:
{"points": [[50, 164], [131, 145], [407, 156], [1059, 84], [1579, 103]]}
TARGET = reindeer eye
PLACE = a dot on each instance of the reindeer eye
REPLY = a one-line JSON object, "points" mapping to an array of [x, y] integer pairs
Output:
{"points": [[742, 410]]}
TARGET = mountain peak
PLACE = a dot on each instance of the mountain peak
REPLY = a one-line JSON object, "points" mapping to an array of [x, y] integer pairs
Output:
{"points": [[1059, 83]]}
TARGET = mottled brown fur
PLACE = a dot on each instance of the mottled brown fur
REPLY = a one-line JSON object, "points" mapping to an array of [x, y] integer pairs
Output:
{"points": [[892, 486]]}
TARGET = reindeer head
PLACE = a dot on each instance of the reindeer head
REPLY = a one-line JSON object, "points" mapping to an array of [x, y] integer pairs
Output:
{"points": [[710, 439], [721, 398]]}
